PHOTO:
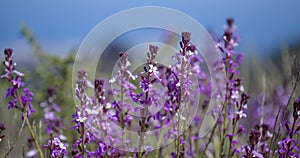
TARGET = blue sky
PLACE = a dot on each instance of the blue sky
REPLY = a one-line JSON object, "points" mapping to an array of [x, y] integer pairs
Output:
{"points": [[62, 25]]}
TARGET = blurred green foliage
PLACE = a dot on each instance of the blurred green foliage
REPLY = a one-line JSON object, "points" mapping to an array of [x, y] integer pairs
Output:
{"points": [[51, 71]]}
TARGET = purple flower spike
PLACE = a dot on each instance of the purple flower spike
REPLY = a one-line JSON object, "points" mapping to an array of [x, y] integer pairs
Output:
{"points": [[19, 101]]}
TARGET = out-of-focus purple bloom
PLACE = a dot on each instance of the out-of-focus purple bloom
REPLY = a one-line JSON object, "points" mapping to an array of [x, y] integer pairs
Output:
{"points": [[287, 147], [56, 147], [52, 122], [153, 52], [173, 155], [258, 142]]}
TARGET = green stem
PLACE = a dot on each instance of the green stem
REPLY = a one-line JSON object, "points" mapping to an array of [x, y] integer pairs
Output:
{"points": [[143, 130], [291, 137], [178, 112], [213, 131], [233, 132], [122, 115], [30, 127], [225, 115], [158, 143], [82, 137], [285, 109]]}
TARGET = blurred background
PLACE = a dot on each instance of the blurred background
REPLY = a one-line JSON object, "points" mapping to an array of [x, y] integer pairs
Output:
{"points": [[46, 34], [264, 26]]}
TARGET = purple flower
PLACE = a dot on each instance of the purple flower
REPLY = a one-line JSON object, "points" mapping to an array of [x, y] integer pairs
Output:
{"points": [[56, 147], [15, 78], [173, 155], [52, 122], [287, 147]]}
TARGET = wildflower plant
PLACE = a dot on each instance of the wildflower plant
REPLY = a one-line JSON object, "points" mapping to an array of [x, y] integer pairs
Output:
{"points": [[20, 98]]}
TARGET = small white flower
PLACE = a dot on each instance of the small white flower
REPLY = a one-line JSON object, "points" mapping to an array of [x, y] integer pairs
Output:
{"points": [[269, 134], [31, 153], [218, 97], [112, 80], [182, 118], [81, 119], [233, 43], [108, 105], [6, 63], [185, 59], [127, 63], [242, 89], [218, 45], [235, 94], [62, 137], [92, 111], [241, 114], [153, 69], [18, 73], [189, 53], [131, 75], [245, 106]]}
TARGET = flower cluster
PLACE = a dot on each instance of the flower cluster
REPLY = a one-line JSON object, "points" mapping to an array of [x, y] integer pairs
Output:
{"points": [[92, 121], [52, 122], [53, 125], [234, 98], [121, 93], [23, 101], [56, 148], [288, 146], [258, 142]]}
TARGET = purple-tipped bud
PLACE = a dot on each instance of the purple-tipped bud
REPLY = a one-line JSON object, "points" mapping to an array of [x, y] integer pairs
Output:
{"points": [[186, 37], [153, 49], [81, 74], [230, 22], [8, 52], [51, 91], [99, 90]]}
